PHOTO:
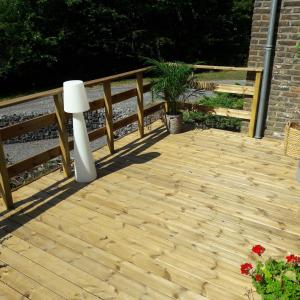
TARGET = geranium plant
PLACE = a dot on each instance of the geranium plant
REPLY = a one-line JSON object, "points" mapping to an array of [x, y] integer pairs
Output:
{"points": [[274, 279]]}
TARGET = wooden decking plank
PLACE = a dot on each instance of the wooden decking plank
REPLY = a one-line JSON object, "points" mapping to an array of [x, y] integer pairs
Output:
{"points": [[156, 196], [46, 278], [191, 173], [57, 249], [142, 172], [230, 161], [62, 268], [247, 180], [25, 285], [7, 293], [110, 249], [195, 192], [50, 244], [170, 216]]}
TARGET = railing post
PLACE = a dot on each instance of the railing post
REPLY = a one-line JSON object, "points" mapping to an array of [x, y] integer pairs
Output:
{"points": [[63, 134], [4, 180], [140, 102], [255, 103], [108, 115]]}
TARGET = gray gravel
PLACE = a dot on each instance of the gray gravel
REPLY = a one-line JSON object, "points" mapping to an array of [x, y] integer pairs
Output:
{"points": [[19, 151], [46, 104]]}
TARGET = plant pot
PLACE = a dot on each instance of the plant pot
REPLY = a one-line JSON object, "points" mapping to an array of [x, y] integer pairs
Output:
{"points": [[174, 123]]}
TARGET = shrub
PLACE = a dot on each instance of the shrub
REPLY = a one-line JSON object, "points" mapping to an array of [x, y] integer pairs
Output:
{"points": [[212, 121], [223, 100], [275, 279]]}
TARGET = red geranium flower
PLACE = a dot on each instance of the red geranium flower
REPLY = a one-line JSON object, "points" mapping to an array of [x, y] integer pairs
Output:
{"points": [[258, 249], [258, 277], [290, 258], [245, 268]]}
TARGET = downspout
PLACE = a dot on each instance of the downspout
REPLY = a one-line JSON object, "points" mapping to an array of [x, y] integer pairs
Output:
{"points": [[265, 90]]}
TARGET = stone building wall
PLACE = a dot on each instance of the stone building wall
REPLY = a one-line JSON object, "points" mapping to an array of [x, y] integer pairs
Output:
{"points": [[284, 101]]}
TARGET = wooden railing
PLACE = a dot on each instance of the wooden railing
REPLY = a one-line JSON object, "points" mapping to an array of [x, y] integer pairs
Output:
{"points": [[245, 90], [60, 118]]}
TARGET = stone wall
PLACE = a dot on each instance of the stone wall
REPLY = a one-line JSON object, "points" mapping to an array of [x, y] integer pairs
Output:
{"points": [[284, 101]]}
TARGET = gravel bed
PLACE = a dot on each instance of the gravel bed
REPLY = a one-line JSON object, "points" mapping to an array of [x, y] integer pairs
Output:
{"points": [[19, 151]]}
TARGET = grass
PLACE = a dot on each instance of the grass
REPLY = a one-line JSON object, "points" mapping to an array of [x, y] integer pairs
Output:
{"points": [[222, 75]]}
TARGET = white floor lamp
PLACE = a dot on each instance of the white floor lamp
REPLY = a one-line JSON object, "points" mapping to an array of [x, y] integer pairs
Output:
{"points": [[76, 102]]}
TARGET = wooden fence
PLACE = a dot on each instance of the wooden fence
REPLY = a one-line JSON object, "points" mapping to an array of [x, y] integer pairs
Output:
{"points": [[60, 117]]}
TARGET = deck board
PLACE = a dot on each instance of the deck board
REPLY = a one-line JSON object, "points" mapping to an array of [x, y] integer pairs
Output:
{"points": [[170, 217]]}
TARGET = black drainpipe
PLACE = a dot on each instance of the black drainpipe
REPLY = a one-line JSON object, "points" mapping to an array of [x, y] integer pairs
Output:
{"points": [[266, 79]]}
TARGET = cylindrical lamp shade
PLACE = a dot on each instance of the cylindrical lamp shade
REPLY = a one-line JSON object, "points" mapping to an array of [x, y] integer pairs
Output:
{"points": [[75, 98]]}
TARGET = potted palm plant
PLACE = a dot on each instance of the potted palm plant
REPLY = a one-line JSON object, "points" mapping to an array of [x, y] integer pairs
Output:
{"points": [[172, 82]]}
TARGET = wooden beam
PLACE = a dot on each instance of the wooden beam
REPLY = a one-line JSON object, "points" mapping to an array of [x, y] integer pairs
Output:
{"points": [[27, 126], [97, 133], [123, 96], [147, 87], [154, 107], [226, 68], [234, 89], [148, 110], [97, 104], [219, 111], [63, 134], [115, 77], [126, 121], [33, 161], [255, 102], [108, 115], [140, 103], [116, 98], [27, 98], [4, 180]]}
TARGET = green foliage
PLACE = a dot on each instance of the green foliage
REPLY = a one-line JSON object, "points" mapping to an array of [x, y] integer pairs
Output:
{"points": [[280, 280], [203, 120], [275, 279], [212, 121], [172, 82], [46, 42], [223, 100]]}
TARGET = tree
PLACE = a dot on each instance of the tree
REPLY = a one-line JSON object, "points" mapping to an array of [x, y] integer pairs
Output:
{"points": [[46, 42]]}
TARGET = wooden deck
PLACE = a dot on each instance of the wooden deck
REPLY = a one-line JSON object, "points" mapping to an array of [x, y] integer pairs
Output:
{"points": [[170, 217]]}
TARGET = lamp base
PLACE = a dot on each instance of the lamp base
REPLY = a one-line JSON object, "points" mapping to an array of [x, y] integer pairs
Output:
{"points": [[85, 170]]}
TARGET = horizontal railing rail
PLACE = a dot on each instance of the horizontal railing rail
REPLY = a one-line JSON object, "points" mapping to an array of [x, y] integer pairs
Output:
{"points": [[226, 68], [60, 118], [218, 111]]}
